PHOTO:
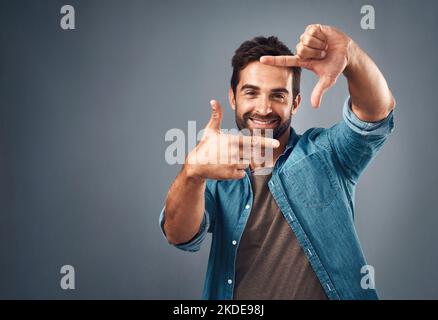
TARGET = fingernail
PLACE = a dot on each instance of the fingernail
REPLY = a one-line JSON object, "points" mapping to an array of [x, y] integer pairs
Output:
{"points": [[276, 143], [323, 54]]}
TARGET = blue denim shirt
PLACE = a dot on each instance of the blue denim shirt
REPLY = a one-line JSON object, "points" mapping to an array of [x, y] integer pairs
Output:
{"points": [[313, 183]]}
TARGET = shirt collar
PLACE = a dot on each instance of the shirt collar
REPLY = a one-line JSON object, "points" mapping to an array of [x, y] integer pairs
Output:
{"points": [[293, 139]]}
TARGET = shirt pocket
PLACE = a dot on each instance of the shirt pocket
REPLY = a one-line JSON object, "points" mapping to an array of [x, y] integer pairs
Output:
{"points": [[310, 181]]}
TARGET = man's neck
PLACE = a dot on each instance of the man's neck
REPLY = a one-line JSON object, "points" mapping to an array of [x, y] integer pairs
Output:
{"points": [[284, 140]]}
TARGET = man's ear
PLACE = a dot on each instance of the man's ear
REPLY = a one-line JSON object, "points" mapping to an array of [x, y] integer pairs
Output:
{"points": [[296, 104], [231, 99]]}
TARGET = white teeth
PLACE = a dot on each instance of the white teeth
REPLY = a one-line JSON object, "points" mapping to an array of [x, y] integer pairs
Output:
{"points": [[263, 122]]}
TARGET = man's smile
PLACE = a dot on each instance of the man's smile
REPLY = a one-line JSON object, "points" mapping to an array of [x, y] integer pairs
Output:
{"points": [[262, 123]]}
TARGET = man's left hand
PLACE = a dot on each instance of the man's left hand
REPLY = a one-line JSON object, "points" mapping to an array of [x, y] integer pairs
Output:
{"points": [[321, 49]]}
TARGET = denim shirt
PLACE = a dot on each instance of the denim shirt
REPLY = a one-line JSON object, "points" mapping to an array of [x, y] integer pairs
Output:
{"points": [[313, 183]]}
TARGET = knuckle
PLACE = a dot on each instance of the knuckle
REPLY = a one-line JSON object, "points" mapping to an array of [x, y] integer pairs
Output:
{"points": [[255, 141], [284, 60], [233, 141], [306, 41], [312, 32], [309, 27]]}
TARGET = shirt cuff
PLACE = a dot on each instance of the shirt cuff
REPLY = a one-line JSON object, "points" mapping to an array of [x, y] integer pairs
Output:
{"points": [[379, 128], [195, 243]]}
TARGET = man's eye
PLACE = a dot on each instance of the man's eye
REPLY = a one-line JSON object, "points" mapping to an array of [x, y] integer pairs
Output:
{"points": [[278, 96], [250, 93]]}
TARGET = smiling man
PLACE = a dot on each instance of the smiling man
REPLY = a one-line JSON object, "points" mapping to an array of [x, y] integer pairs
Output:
{"points": [[283, 229]]}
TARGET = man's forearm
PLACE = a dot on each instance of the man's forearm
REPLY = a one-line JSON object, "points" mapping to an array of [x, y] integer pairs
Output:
{"points": [[184, 207], [370, 96]]}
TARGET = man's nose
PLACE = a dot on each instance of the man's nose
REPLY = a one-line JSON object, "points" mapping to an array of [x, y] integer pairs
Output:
{"points": [[264, 106]]}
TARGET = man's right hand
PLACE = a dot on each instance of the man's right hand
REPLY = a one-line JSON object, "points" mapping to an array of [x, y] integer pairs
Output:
{"points": [[223, 156]]}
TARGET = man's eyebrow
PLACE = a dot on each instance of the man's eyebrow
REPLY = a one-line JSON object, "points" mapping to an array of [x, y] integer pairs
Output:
{"points": [[278, 90], [249, 86], [253, 87]]}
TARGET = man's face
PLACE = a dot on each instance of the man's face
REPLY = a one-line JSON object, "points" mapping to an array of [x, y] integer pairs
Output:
{"points": [[264, 99]]}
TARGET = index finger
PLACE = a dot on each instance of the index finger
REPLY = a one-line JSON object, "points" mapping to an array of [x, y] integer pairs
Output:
{"points": [[259, 141], [281, 61]]}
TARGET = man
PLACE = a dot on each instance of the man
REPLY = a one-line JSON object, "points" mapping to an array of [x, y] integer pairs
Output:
{"points": [[287, 233]]}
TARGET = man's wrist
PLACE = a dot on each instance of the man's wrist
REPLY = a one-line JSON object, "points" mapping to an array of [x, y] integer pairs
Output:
{"points": [[191, 175], [353, 57]]}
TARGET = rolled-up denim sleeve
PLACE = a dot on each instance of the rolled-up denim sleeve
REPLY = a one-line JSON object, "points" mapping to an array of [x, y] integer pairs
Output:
{"points": [[357, 142], [206, 225]]}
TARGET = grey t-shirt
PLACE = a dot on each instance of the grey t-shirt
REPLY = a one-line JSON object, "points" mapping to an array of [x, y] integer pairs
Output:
{"points": [[270, 263]]}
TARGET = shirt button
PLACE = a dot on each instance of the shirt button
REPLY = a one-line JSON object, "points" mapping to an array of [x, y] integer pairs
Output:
{"points": [[230, 281], [247, 206], [234, 242]]}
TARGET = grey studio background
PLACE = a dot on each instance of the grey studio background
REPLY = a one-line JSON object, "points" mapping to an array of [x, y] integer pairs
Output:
{"points": [[84, 112]]}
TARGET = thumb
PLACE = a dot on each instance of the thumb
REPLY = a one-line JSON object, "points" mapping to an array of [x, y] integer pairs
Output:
{"points": [[324, 83], [216, 116]]}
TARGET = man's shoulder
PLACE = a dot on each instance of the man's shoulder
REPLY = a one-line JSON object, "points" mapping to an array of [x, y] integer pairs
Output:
{"points": [[313, 140], [311, 133]]}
